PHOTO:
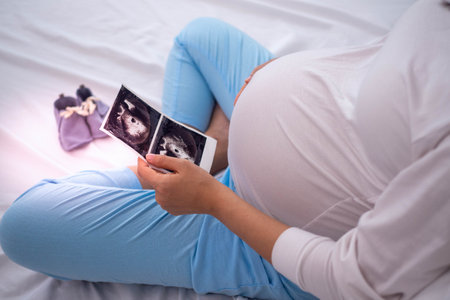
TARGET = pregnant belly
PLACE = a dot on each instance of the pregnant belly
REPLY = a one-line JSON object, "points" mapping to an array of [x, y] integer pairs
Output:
{"points": [[293, 152]]}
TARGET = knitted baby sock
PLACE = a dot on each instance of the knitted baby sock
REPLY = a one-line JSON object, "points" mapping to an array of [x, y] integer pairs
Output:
{"points": [[73, 129], [97, 111]]}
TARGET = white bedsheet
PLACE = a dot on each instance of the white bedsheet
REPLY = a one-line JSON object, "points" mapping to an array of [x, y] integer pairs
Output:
{"points": [[49, 47]]}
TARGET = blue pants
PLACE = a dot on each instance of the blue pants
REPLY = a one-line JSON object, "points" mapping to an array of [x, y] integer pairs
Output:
{"points": [[102, 226]]}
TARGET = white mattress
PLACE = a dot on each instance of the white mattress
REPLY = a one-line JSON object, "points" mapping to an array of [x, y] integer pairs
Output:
{"points": [[49, 47]]}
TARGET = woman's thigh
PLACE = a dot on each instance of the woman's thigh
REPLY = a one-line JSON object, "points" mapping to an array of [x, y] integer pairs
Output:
{"points": [[209, 62], [95, 226]]}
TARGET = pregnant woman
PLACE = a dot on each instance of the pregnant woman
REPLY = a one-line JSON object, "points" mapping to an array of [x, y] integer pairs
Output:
{"points": [[336, 184]]}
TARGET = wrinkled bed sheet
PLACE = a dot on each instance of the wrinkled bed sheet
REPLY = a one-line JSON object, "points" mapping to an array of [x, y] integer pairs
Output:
{"points": [[50, 47]]}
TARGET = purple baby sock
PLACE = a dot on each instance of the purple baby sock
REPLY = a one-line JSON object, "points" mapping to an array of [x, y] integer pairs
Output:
{"points": [[95, 117], [73, 129]]}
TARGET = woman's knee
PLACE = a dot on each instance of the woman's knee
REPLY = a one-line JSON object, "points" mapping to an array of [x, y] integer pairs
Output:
{"points": [[12, 233], [200, 30], [24, 226]]}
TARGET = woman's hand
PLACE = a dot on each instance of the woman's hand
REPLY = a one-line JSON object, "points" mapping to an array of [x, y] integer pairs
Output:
{"points": [[189, 189]]}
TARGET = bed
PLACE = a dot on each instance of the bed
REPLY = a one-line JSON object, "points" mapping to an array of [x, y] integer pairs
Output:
{"points": [[51, 47]]}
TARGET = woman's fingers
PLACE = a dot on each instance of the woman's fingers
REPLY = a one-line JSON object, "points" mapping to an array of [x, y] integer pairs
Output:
{"points": [[188, 189], [153, 177], [145, 172], [166, 162]]}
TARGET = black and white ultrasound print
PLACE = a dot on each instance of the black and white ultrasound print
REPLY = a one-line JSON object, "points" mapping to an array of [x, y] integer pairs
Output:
{"points": [[133, 121], [175, 140], [146, 130]]}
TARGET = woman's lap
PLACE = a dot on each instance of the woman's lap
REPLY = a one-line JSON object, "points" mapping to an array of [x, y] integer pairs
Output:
{"points": [[116, 232]]}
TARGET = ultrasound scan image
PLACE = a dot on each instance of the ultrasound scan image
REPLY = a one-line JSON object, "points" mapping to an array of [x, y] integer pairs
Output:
{"points": [[177, 141], [132, 121]]}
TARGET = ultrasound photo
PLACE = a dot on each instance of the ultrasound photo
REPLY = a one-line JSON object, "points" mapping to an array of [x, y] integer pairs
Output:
{"points": [[172, 139], [132, 121], [146, 130]]}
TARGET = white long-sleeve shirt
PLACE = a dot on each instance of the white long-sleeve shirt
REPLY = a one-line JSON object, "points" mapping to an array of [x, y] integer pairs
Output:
{"points": [[352, 149]]}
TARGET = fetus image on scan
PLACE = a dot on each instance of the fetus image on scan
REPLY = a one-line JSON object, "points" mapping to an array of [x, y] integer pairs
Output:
{"points": [[135, 123], [132, 121], [176, 141], [173, 145]]}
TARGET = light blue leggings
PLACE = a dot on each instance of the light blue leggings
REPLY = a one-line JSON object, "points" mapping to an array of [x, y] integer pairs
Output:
{"points": [[102, 226]]}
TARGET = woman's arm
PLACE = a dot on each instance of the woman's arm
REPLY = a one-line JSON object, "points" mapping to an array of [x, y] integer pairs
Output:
{"points": [[190, 189]]}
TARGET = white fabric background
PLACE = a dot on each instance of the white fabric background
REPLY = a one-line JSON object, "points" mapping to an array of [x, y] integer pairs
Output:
{"points": [[49, 46]]}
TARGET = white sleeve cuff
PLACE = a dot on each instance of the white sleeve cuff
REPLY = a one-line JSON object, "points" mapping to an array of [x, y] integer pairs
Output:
{"points": [[287, 251], [302, 257]]}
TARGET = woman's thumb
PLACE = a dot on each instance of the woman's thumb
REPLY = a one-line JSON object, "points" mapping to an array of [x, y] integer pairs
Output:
{"points": [[164, 162]]}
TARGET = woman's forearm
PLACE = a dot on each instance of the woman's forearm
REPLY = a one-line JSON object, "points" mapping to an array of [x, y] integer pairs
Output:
{"points": [[257, 229]]}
